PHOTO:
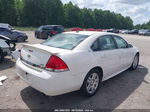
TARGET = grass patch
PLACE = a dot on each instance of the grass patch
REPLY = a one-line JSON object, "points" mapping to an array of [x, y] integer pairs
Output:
{"points": [[32, 28]]}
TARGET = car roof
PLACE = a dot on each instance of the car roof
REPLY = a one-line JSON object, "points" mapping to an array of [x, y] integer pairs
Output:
{"points": [[1, 27], [50, 25], [4, 25], [89, 33]]}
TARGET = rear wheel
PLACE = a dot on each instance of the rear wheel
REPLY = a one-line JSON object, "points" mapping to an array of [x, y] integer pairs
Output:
{"points": [[91, 83], [135, 62]]}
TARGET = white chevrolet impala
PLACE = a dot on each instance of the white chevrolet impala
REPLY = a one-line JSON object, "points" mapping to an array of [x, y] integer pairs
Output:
{"points": [[73, 61]]}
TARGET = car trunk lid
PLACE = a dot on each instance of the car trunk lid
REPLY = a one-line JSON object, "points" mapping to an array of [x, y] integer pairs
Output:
{"points": [[38, 55]]}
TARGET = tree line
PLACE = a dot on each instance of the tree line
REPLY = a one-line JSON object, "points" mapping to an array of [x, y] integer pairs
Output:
{"points": [[143, 26], [40, 12]]}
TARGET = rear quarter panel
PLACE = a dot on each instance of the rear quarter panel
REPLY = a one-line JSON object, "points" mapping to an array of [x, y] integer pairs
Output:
{"points": [[79, 63]]}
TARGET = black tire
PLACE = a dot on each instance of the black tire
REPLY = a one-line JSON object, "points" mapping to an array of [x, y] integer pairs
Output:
{"points": [[84, 89], [20, 39], [36, 36], [135, 62], [1, 56]]}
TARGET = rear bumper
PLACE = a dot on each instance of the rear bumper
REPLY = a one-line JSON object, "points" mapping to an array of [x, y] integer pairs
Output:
{"points": [[49, 83]]}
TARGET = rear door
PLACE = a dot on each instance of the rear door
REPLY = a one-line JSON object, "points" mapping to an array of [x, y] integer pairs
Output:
{"points": [[107, 55], [126, 52]]}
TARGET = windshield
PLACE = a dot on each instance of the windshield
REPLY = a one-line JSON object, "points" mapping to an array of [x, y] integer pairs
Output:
{"points": [[65, 41]]}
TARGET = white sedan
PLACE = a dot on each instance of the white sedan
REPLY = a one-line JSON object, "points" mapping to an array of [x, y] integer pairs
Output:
{"points": [[73, 61]]}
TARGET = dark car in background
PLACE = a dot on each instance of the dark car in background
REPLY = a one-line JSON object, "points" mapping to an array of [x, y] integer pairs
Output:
{"points": [[43, 32], [10, 32], [134, 31]]}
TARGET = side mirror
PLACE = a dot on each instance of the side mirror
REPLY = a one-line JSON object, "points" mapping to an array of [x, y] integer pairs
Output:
{"points": [[130, 46]]}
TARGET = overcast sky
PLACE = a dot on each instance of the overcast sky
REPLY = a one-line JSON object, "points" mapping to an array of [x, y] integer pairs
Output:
{"points": [[138, 10]]}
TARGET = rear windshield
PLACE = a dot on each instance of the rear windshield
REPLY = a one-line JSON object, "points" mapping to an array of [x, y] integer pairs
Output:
{"points": [[45, 28], [65, 41]]}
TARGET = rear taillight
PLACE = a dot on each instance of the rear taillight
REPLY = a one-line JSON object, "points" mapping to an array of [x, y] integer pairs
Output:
{"points": [[53, 32], [56, 64]]}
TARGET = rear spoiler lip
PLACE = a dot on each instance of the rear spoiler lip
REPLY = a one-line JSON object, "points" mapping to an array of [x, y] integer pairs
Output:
{"points": [[29, 45]]}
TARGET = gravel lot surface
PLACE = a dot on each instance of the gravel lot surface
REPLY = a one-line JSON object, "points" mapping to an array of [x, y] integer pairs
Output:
{"points": [[129, 90]]}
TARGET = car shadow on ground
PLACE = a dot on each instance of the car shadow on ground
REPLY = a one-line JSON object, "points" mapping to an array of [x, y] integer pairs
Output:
{"points": [[7, 63], [110, 95]]}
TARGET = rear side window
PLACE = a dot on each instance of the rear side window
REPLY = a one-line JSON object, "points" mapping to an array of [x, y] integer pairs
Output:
{"points": [[95, 46], [121, 43], [65, 40], [60, 29], [106, 43]]}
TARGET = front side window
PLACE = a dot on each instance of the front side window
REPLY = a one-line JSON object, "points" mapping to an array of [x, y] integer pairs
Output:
{"points": [[65, 41], [121, 43], [106, 43]]}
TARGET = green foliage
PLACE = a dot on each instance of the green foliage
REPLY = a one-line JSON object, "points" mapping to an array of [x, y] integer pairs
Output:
{"points": [[88, 20], [33, 12], [143, 26], [72, 15], [8, 12], [39, 12]]}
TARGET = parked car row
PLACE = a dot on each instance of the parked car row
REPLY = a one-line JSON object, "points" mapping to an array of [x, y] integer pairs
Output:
{"points": [[113, 30], [46, 31], [144, 32], [135, 31]]}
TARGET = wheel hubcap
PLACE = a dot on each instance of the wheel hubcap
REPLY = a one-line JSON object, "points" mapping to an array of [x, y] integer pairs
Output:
{"points": [[92, 83], [135, 62]]}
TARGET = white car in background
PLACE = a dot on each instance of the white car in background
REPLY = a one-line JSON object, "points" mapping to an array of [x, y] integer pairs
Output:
{"points": [[73, 61]]}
